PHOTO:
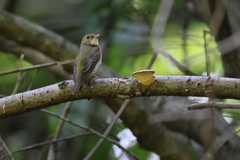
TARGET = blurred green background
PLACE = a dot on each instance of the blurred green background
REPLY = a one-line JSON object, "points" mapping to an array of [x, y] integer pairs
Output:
{"points": [[125, 28]]}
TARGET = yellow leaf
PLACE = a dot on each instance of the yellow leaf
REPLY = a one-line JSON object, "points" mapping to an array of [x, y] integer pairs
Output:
{"points": [[145, 77]]}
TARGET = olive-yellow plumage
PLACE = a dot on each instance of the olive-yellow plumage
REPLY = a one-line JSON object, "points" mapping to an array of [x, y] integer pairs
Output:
{"points": [[88, 61]]}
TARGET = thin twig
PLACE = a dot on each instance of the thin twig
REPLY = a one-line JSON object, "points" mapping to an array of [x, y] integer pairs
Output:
{"points": [[124, 105], [207, 58], [176, 63], [52, 150], [5, 148], [20, 76], [36, 66], [92, 131], [48, 142], [225, 136], [213, 105], [157, 32], [30, 85], [206, 51], [154, 56]]}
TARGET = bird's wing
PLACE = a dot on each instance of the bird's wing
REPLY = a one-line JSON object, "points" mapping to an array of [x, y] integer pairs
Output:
{"points": [[74, 71], [76, 78], [92, 59]]}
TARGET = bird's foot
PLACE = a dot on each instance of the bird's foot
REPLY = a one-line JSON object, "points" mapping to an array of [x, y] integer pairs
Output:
{"points": [[95, 77]]}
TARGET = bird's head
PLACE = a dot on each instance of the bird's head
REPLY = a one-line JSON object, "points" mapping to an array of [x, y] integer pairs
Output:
{"points": [[90, 39]]}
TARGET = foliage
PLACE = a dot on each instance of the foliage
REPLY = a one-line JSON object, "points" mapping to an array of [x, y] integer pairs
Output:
{"points": [[125, 40]]}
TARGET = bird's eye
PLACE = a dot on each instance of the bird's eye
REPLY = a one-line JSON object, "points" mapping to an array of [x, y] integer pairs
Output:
{"points": [[88, 37]]}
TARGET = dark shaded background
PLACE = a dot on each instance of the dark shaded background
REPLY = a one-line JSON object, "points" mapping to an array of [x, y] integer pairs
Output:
{"points": [[125, 27]]}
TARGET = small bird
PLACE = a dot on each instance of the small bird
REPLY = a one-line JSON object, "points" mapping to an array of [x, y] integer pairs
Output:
{"points": [[87, 62]]}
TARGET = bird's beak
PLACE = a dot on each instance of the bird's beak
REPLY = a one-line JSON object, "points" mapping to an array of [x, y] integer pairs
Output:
{"points": [[94, 41], [97, 36]]}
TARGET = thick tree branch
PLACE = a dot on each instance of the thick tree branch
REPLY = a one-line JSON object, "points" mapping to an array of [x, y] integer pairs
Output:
{"points": [[34, 36], [120, 88], [135, 115], [61, 92]]}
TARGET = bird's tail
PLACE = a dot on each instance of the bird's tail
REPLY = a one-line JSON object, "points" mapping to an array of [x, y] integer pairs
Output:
{"points": [[75, 88], [77, 84]]}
